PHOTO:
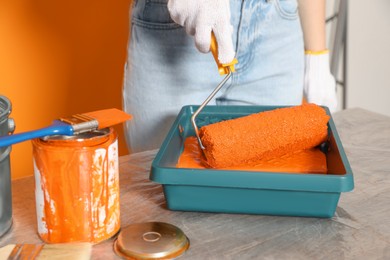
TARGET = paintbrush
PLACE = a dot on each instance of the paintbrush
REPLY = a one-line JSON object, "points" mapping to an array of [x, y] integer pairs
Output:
{"points": [[74, 251], [73, 125]]}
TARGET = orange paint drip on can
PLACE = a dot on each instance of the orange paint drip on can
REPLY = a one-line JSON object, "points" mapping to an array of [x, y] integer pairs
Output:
{"points": [[77, 187]]}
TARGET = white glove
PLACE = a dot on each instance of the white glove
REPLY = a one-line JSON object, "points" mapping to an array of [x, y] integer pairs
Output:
{"points": [[200, 18], [319, 84]]}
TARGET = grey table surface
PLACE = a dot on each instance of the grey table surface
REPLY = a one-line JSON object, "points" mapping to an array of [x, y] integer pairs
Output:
{"points": [[360, 228]]}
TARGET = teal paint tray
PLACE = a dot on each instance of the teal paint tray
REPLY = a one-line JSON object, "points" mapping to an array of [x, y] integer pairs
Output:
{"points": [[247, 192]]}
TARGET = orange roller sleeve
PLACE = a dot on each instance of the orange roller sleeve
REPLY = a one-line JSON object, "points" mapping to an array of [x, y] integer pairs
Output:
{"points": [[264, 135]]}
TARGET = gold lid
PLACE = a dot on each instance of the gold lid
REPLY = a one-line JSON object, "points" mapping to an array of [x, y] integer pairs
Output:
{"points": [[151, 240]]}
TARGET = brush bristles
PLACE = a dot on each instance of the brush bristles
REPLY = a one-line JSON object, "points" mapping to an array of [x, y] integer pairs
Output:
{"points": [[109, 117]]}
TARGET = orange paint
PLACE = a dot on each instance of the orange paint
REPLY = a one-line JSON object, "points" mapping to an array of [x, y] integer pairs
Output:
{"points": [[109, 117], [264, 135], [303, 161], [77, 188]]}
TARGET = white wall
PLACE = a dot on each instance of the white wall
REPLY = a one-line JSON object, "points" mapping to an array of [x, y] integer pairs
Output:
{"points": [[336, 17], [368, 55], [367, 76]]}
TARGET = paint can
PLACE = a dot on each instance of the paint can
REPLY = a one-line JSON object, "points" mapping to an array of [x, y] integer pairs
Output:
{"points": [[77, 187], [7, 126]]}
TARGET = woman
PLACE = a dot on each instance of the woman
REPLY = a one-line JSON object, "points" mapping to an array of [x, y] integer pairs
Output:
{"points": [[280, 48]]}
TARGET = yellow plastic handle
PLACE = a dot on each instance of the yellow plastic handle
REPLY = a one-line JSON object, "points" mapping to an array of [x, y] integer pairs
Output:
{"points": [[222, 68]]}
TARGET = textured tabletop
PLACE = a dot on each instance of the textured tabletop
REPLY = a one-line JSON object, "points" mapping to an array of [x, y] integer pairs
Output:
{"points": [[360, 228]]}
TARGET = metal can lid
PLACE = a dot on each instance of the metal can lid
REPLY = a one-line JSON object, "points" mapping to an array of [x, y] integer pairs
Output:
{"points": [[79, 137], [88, 139], [151, 240]]}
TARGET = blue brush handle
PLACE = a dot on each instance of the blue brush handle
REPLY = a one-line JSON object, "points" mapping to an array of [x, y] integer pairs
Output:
{"points": [[57, 128]]}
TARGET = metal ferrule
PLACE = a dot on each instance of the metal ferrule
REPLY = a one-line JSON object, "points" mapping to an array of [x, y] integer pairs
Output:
{"points": [[81, 123], [85, 126]]}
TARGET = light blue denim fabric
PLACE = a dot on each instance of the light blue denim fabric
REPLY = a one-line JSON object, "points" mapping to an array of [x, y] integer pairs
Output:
{"points": [[165, 71]]}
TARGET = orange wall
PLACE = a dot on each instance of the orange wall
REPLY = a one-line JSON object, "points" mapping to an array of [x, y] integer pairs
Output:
{"points": [[58, 58]]}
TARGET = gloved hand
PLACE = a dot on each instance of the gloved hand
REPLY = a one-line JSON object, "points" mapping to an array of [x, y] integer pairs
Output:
{"points": [[319, 83], [200, 18]]}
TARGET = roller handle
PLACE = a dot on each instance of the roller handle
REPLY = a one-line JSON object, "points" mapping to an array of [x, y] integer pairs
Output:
{"points": [[223, 69], [57, 128]]}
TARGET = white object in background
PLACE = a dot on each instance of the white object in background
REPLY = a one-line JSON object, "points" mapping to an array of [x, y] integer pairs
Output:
{"points": [[368, 56]]}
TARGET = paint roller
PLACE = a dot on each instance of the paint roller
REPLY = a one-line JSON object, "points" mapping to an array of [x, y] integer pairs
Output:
{"points": [[264, 135]]}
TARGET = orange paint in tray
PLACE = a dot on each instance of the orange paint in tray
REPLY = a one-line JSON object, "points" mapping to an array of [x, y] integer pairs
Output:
{"points": [[77, 187], [280, 140], [304, 161]]}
